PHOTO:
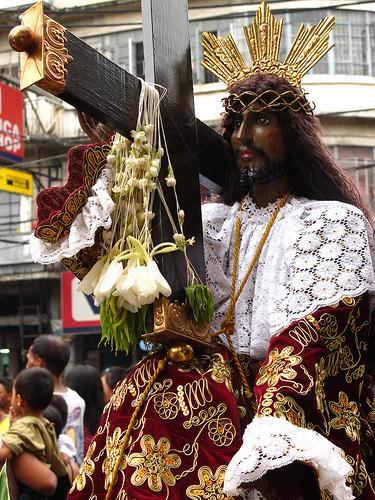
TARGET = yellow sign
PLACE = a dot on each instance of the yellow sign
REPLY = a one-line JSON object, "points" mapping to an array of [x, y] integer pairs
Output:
{"points": [[15, 181]]}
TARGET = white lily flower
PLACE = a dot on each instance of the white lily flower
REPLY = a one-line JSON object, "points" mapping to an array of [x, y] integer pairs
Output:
{"points": [[142, 162], [179, 238], [154, 171], [141, 284], [89, 282], [108, 279], [97, 298], [140, 136], [118, 146], [125, 284], [111, 159], [142, 183], [149, 128], [131, 162], [145, 285], [162, 283], [181, 216], [133, 182], [126, 305], [147, 216]]}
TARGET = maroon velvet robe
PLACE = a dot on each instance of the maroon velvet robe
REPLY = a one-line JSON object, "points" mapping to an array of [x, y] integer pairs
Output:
{"points": [[193, 419]]}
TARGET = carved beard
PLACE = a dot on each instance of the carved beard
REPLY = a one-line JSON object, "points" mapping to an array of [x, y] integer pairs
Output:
{"points": [[242, 182], [271, 172]]}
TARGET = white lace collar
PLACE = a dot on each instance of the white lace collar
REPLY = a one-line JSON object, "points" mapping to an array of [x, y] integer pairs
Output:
{"points": [[317, 253]]}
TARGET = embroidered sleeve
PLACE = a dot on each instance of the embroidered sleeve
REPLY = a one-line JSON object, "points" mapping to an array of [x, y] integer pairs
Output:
{"points": [[308, 393], [94, 214], [328, 254]]}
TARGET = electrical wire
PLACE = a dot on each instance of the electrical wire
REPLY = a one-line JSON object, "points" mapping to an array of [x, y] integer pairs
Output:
{"points": [[13, 242]]}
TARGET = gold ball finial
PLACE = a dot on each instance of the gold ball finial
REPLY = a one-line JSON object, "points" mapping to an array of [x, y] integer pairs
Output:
{"points": [[180, 353], [22, 39]]}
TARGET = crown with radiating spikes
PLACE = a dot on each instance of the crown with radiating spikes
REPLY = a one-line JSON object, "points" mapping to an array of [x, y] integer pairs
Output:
{"points": [[222, 57]]}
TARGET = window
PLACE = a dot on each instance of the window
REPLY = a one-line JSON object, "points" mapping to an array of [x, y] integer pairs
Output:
{"points": [[216, 26], [139, 60], [351, 51], [359, 161], [353, 36], [10, 213]]}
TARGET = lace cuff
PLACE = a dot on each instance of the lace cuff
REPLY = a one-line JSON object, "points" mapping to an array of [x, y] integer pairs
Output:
{"points": [[270, 443], [94, 214]]}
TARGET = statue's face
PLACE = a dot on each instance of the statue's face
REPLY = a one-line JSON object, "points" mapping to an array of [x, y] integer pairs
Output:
{"points": [[258, 145]]}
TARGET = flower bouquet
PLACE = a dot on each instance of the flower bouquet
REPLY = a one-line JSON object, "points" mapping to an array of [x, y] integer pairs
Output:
{"points": [[125, 281]]}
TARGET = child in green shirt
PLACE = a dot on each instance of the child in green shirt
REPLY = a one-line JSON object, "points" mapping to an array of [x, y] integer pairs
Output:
{"points": [[32, 393]]}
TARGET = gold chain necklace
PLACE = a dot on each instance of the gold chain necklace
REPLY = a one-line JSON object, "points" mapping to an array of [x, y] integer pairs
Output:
{"points": [[227, 326]]}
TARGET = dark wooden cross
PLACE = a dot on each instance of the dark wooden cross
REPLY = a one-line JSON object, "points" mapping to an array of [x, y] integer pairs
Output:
{"points": [[107, 92]]}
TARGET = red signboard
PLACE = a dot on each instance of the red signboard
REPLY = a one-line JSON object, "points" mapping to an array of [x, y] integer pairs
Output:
{"points": [[78, 312], [11, 123]]}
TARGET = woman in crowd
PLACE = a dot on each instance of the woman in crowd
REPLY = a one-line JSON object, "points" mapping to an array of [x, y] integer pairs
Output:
{"points": [[110, 377], [85, 379]]}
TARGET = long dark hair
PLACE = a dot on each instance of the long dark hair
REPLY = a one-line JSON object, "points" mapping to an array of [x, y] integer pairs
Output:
{"points": [[312, 170], [85, 379]]}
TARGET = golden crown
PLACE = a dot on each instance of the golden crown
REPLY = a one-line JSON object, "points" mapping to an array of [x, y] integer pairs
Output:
{"points": [[223, 58]]}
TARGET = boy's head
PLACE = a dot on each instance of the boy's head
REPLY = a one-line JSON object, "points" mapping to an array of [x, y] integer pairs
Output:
{"points": [[48, 351], [60, 404], [52, 414], [32, 388]]}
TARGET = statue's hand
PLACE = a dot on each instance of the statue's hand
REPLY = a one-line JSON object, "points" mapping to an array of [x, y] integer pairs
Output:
{"points": [[96, 131]]}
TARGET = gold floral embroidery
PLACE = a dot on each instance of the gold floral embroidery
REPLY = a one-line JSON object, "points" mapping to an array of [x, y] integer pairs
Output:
{"points": [[266, 402], [154, 463], [319, 385], [305, 332], [326, 495], [112, 450], [87, 469], [205, 416], [361, 480], [286, 407], [166, 405], [371, 405], [346, 358], [210, 485], [279, 367], [221, 372], [222, 431], [359, 477], [119, 394], [349, 301], [329, 331], [310, 318], [371, 477], [181, 400], [347, 416]]}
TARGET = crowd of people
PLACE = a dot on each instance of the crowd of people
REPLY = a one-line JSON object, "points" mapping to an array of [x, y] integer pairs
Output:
{"points": [[48, 416]]}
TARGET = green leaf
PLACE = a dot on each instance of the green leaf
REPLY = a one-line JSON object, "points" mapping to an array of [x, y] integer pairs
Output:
{"points": [[4, 490], [122, 329], [201, 303]]}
